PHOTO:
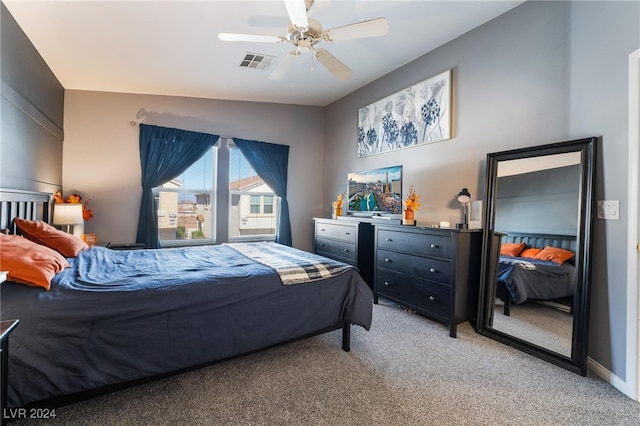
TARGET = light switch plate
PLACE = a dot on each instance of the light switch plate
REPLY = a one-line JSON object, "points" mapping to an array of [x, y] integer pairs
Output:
{"points": [[609, 209]]}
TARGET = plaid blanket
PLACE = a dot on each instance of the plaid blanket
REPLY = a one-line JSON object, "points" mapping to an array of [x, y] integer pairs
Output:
{"points": [[294, 266]]}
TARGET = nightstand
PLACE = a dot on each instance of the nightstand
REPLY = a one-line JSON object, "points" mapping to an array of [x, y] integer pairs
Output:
{"points": [[6, 327], [127, 246]]}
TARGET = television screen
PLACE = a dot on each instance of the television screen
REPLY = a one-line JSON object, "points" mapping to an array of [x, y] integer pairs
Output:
{"points": [[376, 191]]}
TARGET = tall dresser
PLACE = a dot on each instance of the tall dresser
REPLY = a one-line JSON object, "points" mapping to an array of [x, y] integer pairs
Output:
{"points": [[433, 271], [350, 241]]}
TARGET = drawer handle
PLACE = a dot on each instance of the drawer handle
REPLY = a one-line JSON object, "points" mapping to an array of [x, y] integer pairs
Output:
{"points": [[321, 244], [432, 270], [388, 239], [431, 298], [346, 250], [434, 246], [387, 260], [322, 230], [386, 283], [347, 233]]}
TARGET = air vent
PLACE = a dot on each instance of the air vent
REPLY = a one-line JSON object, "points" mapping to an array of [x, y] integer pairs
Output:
{"points": [[257, 61]]}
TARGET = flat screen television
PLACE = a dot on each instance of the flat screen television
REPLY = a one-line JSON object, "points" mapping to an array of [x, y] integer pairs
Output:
{"points": [[375, 192]]}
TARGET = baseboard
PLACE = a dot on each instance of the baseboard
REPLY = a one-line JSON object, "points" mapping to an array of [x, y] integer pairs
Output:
{"points": [[610, 378]]}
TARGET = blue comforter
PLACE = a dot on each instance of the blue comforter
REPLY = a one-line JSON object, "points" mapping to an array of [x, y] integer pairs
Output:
{"points": [[527, 278], [118, 316]]}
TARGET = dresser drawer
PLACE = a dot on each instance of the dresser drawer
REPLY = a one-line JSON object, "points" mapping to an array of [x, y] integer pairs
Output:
{"points": [[414, 292], [421, 267], [420, 244], [339, 250], [345, 233]]}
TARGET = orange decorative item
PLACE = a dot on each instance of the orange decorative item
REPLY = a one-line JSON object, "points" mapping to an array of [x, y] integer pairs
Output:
{"points": [[74, 199], [337, 206], [411, 204]]}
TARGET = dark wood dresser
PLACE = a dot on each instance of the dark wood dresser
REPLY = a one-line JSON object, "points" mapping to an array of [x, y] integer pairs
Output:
{"points": [[433, 271], [350, 241]]}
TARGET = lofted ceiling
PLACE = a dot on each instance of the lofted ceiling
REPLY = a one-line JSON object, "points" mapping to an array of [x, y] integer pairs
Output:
{"points": [[172, 48]]}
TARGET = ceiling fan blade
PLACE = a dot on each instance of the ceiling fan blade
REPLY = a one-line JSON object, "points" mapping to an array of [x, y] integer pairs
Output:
{"points": [[333, 64], [371, 28], [297, 11], [251, 37], [284, 66]]}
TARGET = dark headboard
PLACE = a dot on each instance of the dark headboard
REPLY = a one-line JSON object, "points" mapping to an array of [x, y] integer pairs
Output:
{"points": [[28, 205], [567, 242]]}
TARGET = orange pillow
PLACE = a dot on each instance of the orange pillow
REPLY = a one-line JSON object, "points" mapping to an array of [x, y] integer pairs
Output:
{"points": [[511, 249], [530, 252], [42, 233], [29, 263], [554, 254]]}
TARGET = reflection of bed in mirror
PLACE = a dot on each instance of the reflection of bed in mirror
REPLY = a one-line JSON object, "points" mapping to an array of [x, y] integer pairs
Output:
{"points": [[521, 277]]}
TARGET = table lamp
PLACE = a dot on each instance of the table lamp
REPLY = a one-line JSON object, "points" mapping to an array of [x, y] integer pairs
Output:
{"points": [[69, 215], [463, 198]]}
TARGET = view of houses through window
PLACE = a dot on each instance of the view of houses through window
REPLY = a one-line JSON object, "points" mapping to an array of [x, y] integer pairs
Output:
{"points": [[187, 203], [252, 207]]}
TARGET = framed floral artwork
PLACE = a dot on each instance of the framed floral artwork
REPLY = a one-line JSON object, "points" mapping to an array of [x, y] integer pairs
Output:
{"points": [[415, 116]]}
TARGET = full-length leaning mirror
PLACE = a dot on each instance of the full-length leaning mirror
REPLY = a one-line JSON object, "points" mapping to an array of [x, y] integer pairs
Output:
{"points": [[538, 219]]}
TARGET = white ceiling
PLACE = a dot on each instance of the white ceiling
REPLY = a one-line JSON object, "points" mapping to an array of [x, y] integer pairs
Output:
{"points": [[172, 48]]}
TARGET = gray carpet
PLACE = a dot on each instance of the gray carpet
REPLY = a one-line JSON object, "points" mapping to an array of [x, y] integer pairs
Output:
{"points": [[405, 371]]}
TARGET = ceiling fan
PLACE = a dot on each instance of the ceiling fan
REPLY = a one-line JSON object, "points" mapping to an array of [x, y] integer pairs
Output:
{"points": [[304, 33]]}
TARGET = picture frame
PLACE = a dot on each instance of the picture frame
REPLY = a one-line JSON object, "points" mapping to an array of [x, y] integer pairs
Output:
{"points": [[415, 116]]}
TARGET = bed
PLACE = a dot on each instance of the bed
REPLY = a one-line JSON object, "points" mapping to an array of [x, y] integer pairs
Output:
{"points": [[522, 278], [116, 318]]}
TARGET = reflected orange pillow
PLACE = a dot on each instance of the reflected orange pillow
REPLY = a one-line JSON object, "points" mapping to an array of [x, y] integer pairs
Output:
{"points": [[42, 233], [530, 252], [554, 254], [511, 249], [29, 263]]}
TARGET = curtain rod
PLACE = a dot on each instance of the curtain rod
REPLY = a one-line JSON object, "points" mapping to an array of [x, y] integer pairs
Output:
{"points": [[134, 123]]}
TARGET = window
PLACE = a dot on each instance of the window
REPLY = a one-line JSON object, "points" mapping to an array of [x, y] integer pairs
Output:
{"points": [[186, 204], [253, 205]]}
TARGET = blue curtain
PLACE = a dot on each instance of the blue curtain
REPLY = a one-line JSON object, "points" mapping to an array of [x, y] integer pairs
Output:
{"points": [[164, 154], [271, 162]]}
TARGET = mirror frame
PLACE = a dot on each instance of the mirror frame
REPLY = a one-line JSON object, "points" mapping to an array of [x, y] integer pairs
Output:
{"points": [[578, 360]]}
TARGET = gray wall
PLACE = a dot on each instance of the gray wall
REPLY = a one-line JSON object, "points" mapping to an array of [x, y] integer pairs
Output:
{"points": [[602, 35], [543, 72], [31, 114], [542, 202]]}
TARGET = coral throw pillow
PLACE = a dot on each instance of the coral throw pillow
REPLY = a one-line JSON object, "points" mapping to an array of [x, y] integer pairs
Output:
{"points": [[554, 254], [511, 249], [42, 233], [29, 263], [530, 252]]}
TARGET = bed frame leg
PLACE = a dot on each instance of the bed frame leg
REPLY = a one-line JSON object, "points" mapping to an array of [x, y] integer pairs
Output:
{"points": [[346, 337]]}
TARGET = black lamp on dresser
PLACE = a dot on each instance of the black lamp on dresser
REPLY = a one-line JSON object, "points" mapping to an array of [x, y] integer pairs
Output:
{"points": [[432, 271]]}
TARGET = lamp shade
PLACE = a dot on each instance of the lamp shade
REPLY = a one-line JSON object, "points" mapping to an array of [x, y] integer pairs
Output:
{"points": [[67, 214], [464, 196]]}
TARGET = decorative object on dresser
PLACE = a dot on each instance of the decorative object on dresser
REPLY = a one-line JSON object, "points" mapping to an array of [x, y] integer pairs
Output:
{"points": [[336, 207], [349, 240], [463, 198], [411, 204], [433, 271]]}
